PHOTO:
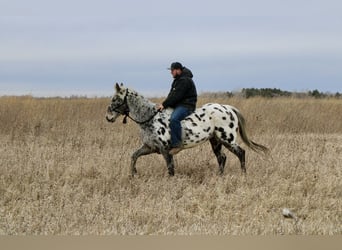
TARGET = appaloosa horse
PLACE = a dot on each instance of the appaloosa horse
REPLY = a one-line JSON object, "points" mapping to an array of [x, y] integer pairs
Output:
{"points": [[217, 123]]}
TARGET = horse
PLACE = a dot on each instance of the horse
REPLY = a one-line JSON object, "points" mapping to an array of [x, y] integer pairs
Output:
{"points": [[217, 123]]}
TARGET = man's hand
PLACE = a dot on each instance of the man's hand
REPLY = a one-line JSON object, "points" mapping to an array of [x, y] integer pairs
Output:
{"points": [[159, 107]]}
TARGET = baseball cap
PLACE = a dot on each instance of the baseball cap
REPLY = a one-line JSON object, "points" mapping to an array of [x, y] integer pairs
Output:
{"points": [[176, 65]]}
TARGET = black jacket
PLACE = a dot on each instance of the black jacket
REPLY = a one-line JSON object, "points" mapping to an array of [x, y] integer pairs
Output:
{"points": [[183, 92]]}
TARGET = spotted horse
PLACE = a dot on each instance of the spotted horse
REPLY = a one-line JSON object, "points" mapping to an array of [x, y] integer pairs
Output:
{"points": [[217, 123]]}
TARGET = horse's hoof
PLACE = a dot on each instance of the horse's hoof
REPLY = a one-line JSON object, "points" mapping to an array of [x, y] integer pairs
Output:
{"points": [[133, 174], [171, 172]]}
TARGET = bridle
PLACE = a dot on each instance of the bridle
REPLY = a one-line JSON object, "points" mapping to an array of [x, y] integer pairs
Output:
{"points": [[126, 112]]}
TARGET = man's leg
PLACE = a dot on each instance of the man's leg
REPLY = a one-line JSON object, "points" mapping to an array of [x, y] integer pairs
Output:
{"points": [[178, 114]]}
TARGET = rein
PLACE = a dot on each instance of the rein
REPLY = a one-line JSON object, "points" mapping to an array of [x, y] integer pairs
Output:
{"points": [[126, 112], [139, 122]]}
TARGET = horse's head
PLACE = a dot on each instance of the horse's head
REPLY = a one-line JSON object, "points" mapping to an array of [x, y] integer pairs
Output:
{"points": [[118, 104]]}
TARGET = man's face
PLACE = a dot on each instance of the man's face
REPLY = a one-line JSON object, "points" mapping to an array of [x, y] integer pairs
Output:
{"points": [[175, 72]]}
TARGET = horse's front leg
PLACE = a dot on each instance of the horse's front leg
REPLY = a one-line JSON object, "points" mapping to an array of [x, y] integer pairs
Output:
{"points": [[169, 161], [143, 150]]}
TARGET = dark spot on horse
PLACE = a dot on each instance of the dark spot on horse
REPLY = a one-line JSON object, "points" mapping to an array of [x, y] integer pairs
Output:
{"points": [[231, 138], [224, 118], [230, 115], [221, 129], [231, 125], [201, 115], [203, 109], [158, 132], [194, 124], [199, 118], [162, 122], [210, 118], [162, 130], [189, 119], [206, 130], [162, 141], [197, 136], [191, 140], [218, 109]]}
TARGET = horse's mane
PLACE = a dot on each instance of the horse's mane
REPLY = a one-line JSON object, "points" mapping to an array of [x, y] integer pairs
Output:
{"points": [[140, 98]]}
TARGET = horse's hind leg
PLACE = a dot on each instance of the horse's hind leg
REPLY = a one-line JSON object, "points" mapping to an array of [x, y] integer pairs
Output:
{"points": [[143, 150], [239, 152], [216, 145]]}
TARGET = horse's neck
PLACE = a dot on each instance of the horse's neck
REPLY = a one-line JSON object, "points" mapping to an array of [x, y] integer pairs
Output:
{"points": [[140, 108]]}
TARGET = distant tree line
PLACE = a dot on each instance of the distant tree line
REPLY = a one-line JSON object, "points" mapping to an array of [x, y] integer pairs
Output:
{"points": [[273, 92], [264, 92]]}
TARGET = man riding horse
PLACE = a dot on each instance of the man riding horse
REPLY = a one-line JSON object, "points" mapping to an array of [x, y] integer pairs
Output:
{"points": [[182, 98], [217, 123]]}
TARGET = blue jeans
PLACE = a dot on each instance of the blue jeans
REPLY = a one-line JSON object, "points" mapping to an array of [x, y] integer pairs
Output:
{"points": [[179, 113]]}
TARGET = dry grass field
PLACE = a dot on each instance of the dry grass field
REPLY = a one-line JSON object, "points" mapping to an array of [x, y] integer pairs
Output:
{"points": [[64, 170]]}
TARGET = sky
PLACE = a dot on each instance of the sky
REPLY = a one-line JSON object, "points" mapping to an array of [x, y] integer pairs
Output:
{"points": [[74, 47]]}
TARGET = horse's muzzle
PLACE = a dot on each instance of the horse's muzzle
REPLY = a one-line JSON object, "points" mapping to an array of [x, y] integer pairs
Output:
{"points": [[109, 113]]}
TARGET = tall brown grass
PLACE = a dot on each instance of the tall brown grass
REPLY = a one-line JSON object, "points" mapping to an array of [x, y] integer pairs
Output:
{"points": [[64, 170]]}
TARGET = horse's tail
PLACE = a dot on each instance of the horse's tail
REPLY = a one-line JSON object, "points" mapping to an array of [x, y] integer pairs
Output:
{"points": [[242, 130]]}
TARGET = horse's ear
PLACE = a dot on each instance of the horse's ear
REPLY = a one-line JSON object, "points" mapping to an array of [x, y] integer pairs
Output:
{"points": [[117, 87]]}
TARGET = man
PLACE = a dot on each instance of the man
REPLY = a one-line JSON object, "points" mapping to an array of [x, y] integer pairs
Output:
{"points": [[182, 98]]}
